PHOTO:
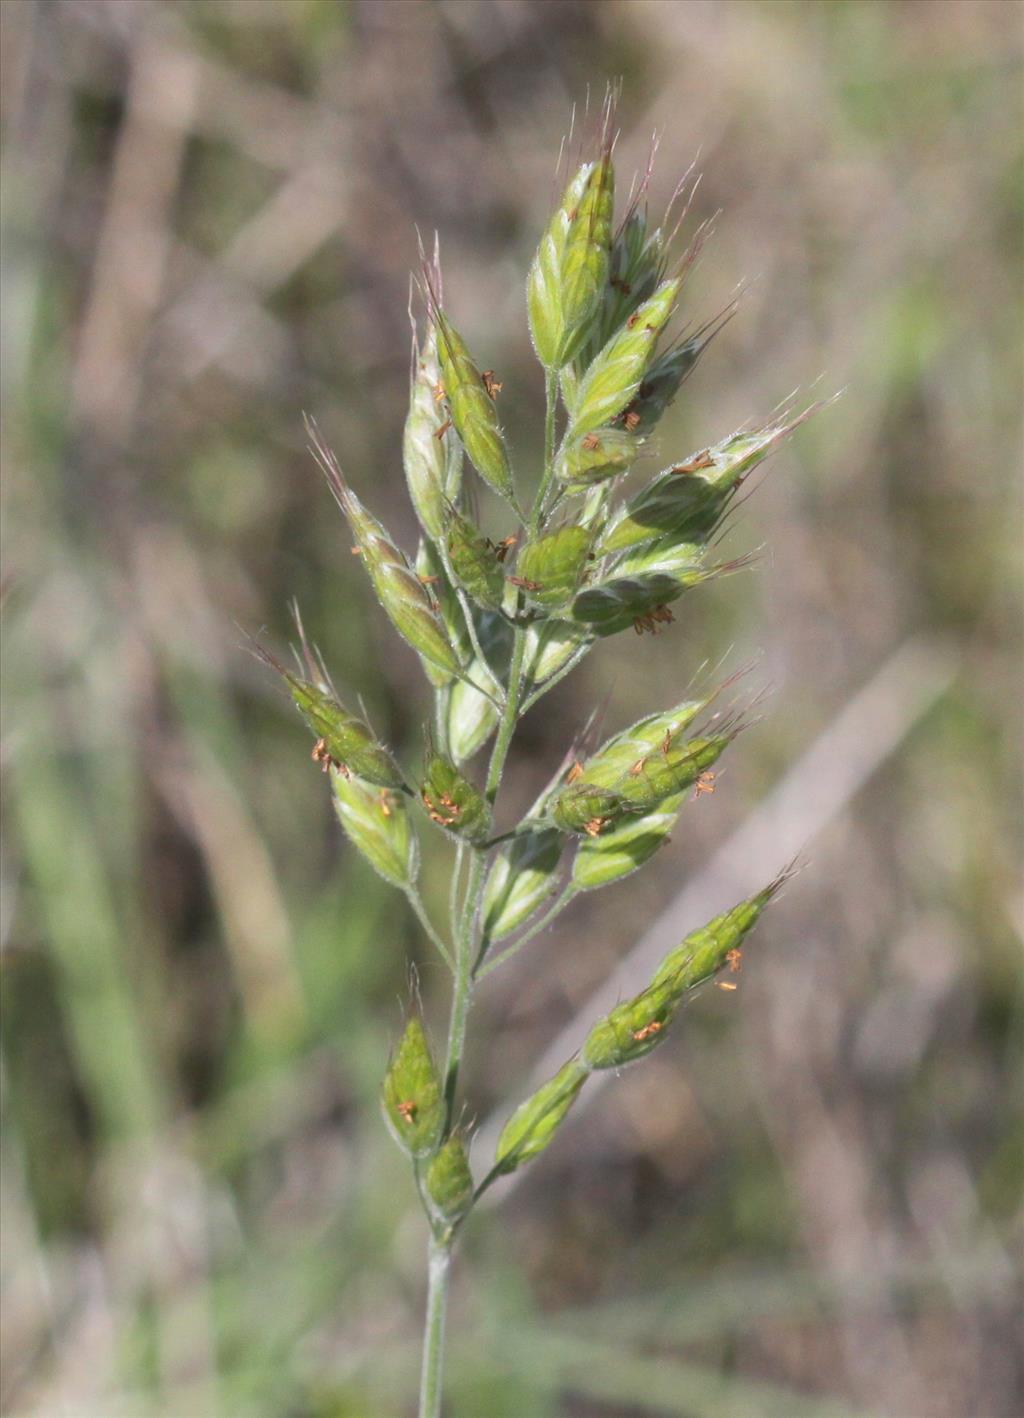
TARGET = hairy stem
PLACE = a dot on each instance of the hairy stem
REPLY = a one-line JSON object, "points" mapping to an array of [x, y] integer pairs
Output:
{"points": [[439, 1269]]}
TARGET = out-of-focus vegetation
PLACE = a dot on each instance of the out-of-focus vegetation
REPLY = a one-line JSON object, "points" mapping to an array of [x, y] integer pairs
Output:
{"points": [[809, 1203]]}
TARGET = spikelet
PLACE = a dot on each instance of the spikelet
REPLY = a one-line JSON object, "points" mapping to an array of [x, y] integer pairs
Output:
{"points": [[569, 275], [631, 1030], [376, 822], [449, 1181], [613, 380], [344, 741], [595, 457], [550, 567], [451, 800], [411, 1096], [432, 461], [520, 880], [710, 949], [399, 590], [689, 498], [472, 408], [534, 1123], [473, 560]]}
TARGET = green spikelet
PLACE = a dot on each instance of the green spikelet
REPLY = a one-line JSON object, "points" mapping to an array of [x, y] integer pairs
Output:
{"points": [[343, 739], [433, 462], [640, 601], [623, 848], [549, 568], [521, 878], [376, 822], [570, 270], [613, 379], [688, 500], [550, 645], [667, 772], [708, 950], [452, 801], [585, 809], [405, 600], [449, 1181], [625, 753], [472, 409], [474, 561], [411, 1095], [595, 457], [535, 1122], [544, 283], [632, 1030]]}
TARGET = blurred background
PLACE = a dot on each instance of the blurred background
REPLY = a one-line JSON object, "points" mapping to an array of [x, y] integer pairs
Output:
{"points": [[809, 1202]]}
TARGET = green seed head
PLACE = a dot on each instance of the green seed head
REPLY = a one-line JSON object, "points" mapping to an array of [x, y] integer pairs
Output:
{"points": [[433, 461], [595, 457], [472, 409], [613, 379], [632, 1030], [625, 847], [688, 500], [715, 946], [588, 810], [668, 772], [449, 1181], [550, 568], [535, 1122], [343, 739], [452, 801], [473, 560], [521, 879], [376, 822], [410, 609], [550, 645], [411, 1095]]}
